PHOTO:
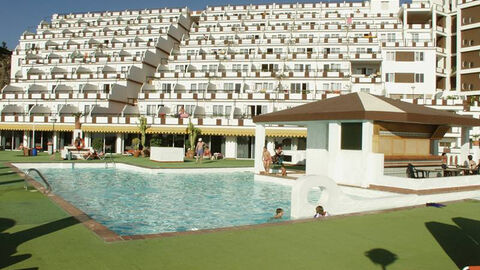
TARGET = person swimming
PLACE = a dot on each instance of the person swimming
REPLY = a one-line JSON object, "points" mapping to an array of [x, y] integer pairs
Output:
{"points": [[278, 213], [320, 212]]}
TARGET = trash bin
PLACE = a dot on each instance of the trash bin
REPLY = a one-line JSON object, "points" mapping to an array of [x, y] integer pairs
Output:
{"points": [[50, 148], [34, 151]]}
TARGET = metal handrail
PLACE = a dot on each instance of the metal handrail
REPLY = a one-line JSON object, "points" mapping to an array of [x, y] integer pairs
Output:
{"points": [[49, 188]]}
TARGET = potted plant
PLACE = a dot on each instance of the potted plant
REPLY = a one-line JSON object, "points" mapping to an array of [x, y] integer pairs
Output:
{"points": [[136, 147], [97, 144], [77, 116], [142, 125], [192, 132]]}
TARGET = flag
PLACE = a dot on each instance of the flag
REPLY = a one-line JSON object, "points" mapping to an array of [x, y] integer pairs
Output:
{"points": [[349, 20]]}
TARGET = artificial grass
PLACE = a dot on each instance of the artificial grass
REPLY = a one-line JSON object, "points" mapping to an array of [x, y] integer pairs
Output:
{"points": [[44, 237], [17, 156]]}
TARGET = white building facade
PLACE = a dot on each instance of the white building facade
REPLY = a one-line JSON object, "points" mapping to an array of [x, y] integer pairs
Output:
{"points": [[221, 66]]}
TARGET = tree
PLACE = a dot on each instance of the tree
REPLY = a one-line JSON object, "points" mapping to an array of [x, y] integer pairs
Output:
{"points": [[192, 132], [4, 44], [142, 125]]}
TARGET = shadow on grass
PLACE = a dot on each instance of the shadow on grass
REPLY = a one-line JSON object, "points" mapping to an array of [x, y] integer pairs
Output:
{"points": [[382, 257], [7, 173], [461, 242], [11, 182], [10, 241]]}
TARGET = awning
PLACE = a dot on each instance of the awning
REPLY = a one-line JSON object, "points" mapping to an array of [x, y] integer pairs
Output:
{"points": [[68, 109], [37, 127], [296, 133], [12, 109], [40, 109], [167, 130], [12, 89], [227, 131]]}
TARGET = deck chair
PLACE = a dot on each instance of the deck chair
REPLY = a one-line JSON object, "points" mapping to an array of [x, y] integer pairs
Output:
{"points": [[413, 173]]}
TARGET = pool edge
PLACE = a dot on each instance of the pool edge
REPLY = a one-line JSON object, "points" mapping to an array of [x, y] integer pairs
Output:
{"points": [[110, 236]]}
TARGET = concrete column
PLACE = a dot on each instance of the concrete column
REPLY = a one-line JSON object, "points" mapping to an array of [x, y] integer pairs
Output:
{"points": [[26, 139], [317, 144], [259, 143], [230, 147], [465, 144], [367, 136], [334, 137], [55, 141], [434, 147], [119, 143], [88, 139]]}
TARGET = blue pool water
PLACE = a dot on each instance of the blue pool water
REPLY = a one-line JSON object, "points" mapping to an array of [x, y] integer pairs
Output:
{"points": [[132, 203]]}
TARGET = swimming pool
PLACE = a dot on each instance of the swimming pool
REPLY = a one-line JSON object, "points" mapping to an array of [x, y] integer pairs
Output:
{"points": [[132, 203]]}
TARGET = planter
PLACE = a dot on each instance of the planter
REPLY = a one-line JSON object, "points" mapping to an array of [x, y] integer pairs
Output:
{"points": [[190, 154], [136, 153], [167, 154]]}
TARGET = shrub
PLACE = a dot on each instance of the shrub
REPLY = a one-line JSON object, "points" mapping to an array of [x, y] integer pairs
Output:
{"points": [[97, 144], [136, 143], [155, 141]]}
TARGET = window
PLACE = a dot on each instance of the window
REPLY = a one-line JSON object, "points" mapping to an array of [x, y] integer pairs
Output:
{"points": [[336, 86], [351, 136], [391, 37], [217, 110], [237, 67], [166, 87], [419, 56], [415, 37], [389, 77], [151, 109], [419, 78], [298, 87], [228, 86]]}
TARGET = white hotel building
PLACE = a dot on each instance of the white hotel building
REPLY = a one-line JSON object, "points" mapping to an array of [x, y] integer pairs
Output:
{"points": [[224, 65]]}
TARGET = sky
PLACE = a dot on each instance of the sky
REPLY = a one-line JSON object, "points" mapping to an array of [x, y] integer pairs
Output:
{"points": [[16, 16]]}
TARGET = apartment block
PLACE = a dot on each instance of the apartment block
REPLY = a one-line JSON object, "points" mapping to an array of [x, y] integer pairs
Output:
{"points": [[220, 66]]}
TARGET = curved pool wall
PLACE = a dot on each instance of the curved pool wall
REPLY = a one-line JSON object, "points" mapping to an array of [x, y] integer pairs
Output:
{"points": [[129, 201]]}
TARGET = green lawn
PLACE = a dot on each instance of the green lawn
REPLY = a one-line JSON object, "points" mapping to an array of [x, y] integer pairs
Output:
{"points": [[17, 156], [35, 233]]}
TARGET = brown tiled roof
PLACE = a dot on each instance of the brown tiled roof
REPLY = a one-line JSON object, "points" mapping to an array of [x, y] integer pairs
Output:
{"points": [[363, 106]]}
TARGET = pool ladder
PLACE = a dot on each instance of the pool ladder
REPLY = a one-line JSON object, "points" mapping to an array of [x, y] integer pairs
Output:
{"points": [[110, 157], [28, 172]]}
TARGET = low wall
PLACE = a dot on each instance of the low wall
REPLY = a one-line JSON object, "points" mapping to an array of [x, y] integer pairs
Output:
{"points": [[167, 154]]}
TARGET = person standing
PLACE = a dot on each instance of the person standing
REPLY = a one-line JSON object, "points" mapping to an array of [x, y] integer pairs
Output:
{"points": [[267, 160], [199, 150]]}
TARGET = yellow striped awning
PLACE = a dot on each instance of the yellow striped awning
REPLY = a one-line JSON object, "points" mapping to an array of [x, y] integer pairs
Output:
{"points": [[216, 131], [167, 130], [277, 132], [37, 127], [222, 131]]}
